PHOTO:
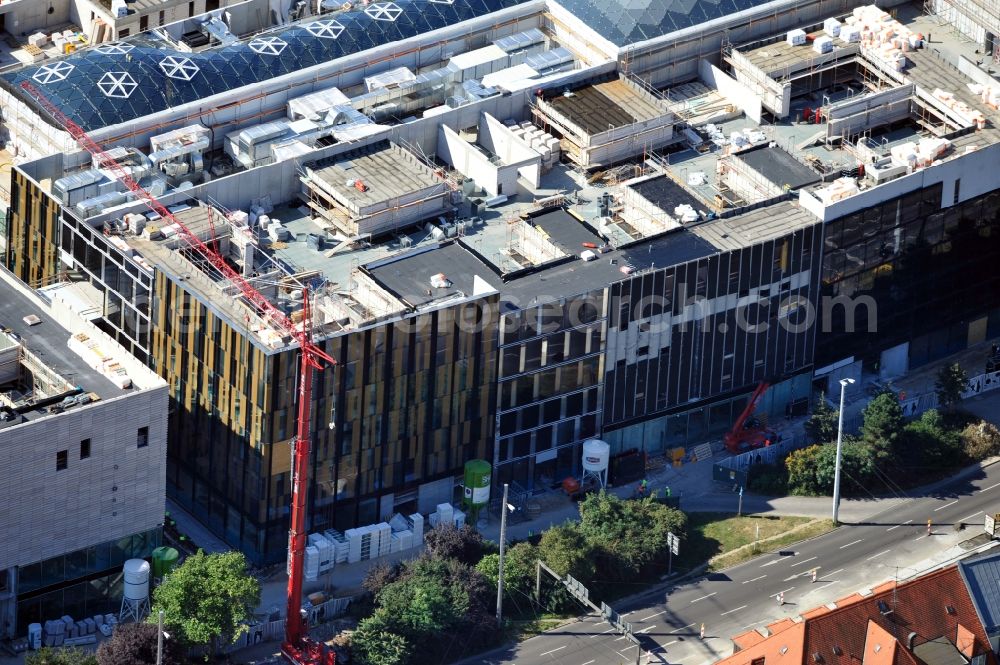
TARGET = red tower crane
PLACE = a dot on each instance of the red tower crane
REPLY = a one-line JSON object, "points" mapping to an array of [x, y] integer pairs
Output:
{"points": [[298, 648], [746, 433]]}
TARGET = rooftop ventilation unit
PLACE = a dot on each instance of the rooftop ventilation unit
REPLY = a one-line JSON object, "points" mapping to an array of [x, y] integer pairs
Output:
{"points": [[883, 608]]}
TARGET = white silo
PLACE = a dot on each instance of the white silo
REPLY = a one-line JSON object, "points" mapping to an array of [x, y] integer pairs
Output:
{"points": [[135, 597], [596, 454]]}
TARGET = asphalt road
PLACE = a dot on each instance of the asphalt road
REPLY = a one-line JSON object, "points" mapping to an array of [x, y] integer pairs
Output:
{"points": [[890, 544]]}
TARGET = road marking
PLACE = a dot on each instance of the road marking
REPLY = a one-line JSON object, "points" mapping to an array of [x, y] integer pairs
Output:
{"points": [[669, 643], [775, 594], [875, 556], [755, 579], [677, 630], [839, 570], [653, 615], [704, 597], [899, 525], [770, 563], [604, 633], [553, 651], [741, 607], [969, 517], [646, 630], [946, 505], [588, 662], [851, 543], [990, 487], [622, 655], [751, 625], [826, 585], [629, 612], [802, 562], [921, 537]]}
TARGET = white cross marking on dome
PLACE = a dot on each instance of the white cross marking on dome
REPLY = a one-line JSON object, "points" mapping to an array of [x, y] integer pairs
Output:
{"points": [[384, 11], [114, 49], [177, 67], [52, 72], [117, 84], [442, 2], [328, 29], [268, 45]]}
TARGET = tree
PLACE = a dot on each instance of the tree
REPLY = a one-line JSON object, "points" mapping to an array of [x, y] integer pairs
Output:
{"points": [[822, 424], [565, 550], [519, 566], [980, 440], [135, 644], [446, 541], [381, 574], [208, 598], [373, 643], [951, 383], [883, 421], [801, 465], [63, 656], [930, 443], [628, 535]]}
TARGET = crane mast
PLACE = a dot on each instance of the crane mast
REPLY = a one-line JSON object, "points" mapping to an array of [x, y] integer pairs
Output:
{"points": [[298, 648]]}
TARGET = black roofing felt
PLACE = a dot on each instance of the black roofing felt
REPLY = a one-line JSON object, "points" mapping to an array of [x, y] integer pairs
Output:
{"points": [[114, 83], [408, 276], [566, 231], [779, 167], [665, 194]]}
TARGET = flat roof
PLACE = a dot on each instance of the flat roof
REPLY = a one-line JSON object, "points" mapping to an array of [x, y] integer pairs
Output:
{"points": [[750, 228], [408, 276], [387, 171], [778, 166], [603, 106], [566, 231], [664, 193], [48, 342]]}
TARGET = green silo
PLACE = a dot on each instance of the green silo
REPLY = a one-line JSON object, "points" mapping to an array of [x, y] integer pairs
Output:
{"points": [[164, 560], [477, 488]]}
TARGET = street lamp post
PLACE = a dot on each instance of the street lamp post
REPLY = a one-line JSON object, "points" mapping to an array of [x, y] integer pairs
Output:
{"points": [[159, 639], [503, 543], [840, 442]]}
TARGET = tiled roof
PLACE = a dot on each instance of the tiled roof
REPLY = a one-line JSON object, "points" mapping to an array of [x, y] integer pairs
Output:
{"points": [[929, 607], [983, 578]]}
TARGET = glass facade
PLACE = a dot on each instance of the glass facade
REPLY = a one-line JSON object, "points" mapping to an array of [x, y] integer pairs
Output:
{"points": [[706, 330], [624, 23], [551, 371], [929, 272], [115, 83], [81, 583]]}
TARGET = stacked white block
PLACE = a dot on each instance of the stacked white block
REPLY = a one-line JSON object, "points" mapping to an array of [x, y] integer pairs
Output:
{"points": [[446, 513], [310, 568], [831, 26], [340, 545], [353, 537], [401, 540], [458, 518], [384, 534], [416, 521], [325, 549]]}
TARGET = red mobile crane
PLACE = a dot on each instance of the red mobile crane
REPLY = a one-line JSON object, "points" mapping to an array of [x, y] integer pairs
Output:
{"points": [[748, 433], [298, 648]]}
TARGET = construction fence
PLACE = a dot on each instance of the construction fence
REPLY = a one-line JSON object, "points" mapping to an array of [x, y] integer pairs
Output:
{"points": [[273, 631]]}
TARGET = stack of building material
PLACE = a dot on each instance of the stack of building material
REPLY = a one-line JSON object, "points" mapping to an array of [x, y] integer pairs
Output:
{"points": [[973, 115], [38, 39], [310, 568], [839, 189], [823, 44], [384, 534], [54, 633], [401, 540], [796, 37], [416, 521], [445, 514], [340, 545], [326, 551], [850, 34], [540, 141], [90, 350], [831, 27], [459, 518]]}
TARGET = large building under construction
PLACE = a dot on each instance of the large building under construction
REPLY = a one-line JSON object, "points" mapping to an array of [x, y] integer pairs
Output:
{"points": [[522, 225]]}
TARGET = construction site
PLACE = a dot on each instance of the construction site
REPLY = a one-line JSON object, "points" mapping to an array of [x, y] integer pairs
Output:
{"points": [[499, 236]]}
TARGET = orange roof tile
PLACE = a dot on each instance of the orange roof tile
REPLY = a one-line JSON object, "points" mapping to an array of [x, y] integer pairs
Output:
{"points": [[748, 639], [880, 646], [815, 612], [780, 625]]}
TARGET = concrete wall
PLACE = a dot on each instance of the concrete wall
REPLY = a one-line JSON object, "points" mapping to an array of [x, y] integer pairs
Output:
{"points": [[22, 17], [977, 172], [735, 92], [774, 96], [875, 109], [472, 163], [49, 512]]}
